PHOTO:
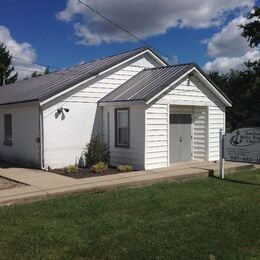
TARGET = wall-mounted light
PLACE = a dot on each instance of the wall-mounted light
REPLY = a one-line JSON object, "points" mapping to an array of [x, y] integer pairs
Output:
{"points": [[60, 110]]}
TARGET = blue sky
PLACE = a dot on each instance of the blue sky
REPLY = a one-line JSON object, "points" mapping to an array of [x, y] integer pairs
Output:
{"points": [[63, 33]]}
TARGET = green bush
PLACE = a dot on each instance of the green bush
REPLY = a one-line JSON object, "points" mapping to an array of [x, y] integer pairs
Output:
{"points": [[96, 151], [71, 169], [99, 167], [124, 168]]}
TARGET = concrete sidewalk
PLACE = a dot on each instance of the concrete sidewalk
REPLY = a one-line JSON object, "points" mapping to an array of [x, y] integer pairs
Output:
{"points": [[45, 184]]}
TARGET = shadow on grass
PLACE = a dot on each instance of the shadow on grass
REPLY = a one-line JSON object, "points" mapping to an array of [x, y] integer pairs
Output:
{"points": [[235, 181]]}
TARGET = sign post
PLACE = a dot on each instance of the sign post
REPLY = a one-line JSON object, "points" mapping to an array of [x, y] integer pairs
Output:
{"points": [[221, 155]]}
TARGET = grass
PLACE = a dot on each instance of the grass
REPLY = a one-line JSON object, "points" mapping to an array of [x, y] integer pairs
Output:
{"points": [[199, 219]]}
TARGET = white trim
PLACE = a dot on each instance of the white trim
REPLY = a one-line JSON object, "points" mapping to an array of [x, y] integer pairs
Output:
{"points": [[172, 84], [122, 103], [188, 103], [134, 57], [145, 137], [67, 90], [168, 150], [208, 128], [19, 104], [191, 133], [213, 89], [103, 72], [199, 74]]}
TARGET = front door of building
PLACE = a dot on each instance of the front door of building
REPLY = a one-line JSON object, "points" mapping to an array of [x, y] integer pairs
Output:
{"points": [[180, 138]]}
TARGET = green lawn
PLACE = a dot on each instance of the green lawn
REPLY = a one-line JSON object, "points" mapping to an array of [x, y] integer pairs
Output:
{"points": [[196, 219]]}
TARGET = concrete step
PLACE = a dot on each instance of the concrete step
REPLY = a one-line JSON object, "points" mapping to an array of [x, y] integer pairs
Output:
{"points": [[234, 168]]}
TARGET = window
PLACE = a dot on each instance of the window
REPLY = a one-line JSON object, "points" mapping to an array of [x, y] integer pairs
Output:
{"points": [[8, 133], [122, 127]]}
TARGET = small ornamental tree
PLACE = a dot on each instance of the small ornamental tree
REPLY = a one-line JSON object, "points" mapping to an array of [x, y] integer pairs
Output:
{"points": [[96, 151]]}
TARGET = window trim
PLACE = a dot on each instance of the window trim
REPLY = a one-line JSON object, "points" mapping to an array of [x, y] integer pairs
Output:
{"points": [[116, 132], [8, 141]]}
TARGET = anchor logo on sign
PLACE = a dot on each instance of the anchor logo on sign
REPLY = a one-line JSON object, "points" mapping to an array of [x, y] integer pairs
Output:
{"points": [[236, 139]]}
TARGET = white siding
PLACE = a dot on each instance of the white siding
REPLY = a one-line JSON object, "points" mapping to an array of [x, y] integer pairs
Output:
{"points": [[134, 155], [189, 96], [200, 139], [66, 137], [25, 130], [156, 136], [216, 121]]}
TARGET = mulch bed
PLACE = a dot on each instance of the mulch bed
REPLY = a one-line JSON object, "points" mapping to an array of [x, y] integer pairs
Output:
{"points": [[85, 173]]}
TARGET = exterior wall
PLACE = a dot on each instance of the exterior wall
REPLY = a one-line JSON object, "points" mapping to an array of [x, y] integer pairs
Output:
{"points": [[216, 121], [66, 136], [200, 133], [157, 127], [134, 155], [25, 149], [208, 116]]}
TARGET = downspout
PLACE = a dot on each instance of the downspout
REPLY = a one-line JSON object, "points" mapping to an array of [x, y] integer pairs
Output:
{"points": [[41, 138]]}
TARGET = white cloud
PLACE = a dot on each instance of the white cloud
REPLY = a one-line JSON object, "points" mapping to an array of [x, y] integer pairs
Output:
{"points": [[24, 54], [229, 49], [228, 42], [144, 18], [224, 64]]}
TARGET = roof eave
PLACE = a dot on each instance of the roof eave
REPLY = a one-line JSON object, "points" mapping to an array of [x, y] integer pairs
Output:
{"points": [[122, 103]]}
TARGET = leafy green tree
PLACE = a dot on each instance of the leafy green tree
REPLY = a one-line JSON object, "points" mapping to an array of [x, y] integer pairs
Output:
{"points": [[5, 66], [251, 30], [243, 87]]}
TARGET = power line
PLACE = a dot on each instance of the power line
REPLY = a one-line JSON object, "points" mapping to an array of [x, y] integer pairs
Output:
{"points": [[124, 30]]}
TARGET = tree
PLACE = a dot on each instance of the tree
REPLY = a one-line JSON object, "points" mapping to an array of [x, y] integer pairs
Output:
{"points": [[37, 74], [243, 87], [251, 30], [6, 69]]}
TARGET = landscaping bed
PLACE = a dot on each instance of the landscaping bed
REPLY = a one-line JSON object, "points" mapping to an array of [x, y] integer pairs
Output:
{"points": [[8, 184], [84, 172]]}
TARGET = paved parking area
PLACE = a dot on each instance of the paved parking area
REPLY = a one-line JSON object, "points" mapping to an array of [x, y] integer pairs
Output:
{"points": [[43, 184]]}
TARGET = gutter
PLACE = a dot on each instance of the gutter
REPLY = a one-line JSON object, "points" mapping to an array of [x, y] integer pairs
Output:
{"points": [[41, 138]]}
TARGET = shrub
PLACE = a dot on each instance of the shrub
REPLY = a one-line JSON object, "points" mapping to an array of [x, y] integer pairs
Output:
{"points": [[124, 168], [71, 169], [99, 167], [96, 151]]}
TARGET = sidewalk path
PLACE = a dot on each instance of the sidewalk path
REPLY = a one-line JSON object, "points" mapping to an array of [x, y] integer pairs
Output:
{"points": [[46, 184]]}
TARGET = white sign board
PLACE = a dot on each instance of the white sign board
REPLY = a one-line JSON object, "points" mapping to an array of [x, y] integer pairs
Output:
{"points": [[242, 145]]}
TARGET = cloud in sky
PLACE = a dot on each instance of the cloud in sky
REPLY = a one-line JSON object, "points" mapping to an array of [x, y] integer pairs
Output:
{"points": [[144, 18], [229, 49], [224, 64], [24, 52]]}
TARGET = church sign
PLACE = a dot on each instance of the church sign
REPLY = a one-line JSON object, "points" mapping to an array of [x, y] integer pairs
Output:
{"points": [[242, 145]]}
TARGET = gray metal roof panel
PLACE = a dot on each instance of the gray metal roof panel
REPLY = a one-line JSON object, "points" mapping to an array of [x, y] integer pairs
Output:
{"points": [[147, 83], [44, 87]]}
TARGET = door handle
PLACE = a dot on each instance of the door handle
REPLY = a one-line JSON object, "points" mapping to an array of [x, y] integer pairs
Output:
{"points": [[180, 139]]}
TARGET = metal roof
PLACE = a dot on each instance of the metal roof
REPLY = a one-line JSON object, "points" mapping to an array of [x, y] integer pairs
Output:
{"points": [[44, 87], [150, 82], [147, 83]]}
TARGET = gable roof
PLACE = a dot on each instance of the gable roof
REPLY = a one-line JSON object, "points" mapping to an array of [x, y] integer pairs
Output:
{"points": [[44, 87], [150, 82]]}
